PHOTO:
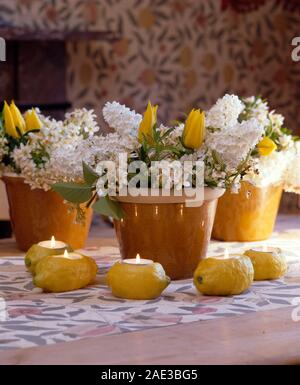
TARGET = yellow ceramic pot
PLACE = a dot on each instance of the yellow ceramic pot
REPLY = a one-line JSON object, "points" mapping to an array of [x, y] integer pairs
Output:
{"points": [[36, 215], [167, 231], [249, 215]]}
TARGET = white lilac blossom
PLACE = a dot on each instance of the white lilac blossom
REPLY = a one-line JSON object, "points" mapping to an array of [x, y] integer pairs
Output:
{"points": [[224, 114], [123, 120], [82, 122], [271, 169], [257, 108], [3, 147], [235, 145], [291, 177]]}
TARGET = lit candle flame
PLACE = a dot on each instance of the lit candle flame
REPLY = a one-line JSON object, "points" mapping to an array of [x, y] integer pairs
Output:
{"points": [[264, 248], [138, 258], [52, 244], [66, 254], [226, 254]]}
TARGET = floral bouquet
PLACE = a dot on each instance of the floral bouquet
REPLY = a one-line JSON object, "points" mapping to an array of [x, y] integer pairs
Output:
{"points": [[31, 143], [216, 139], [276, 159], [30, 163], [273, 166]]}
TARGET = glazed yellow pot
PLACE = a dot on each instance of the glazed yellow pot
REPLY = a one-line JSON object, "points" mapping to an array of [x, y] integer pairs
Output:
{"points": [[36, 215], [249, 215], [167, 231]]}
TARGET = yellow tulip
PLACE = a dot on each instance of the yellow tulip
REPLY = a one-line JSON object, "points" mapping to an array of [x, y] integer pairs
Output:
{"points": [[17, 117], [194, 130], [32, 120], [9, 124], [147, 124], [266, 146]]}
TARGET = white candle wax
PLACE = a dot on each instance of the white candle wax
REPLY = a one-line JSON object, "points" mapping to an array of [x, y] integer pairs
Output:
{"points": [[266, 249], [137, 261], [226, 255], [69, 255], [53, 244], [229, 256]]}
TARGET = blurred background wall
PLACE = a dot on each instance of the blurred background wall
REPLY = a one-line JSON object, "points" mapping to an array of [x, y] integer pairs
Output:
{"points": [[178, 53]]}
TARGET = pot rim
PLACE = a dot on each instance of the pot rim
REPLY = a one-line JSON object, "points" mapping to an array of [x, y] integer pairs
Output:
{"points": [[11, 176], [208, 194]]}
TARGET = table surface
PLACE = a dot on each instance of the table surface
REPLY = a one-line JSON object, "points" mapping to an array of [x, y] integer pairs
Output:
{"points": [[265, 337]]}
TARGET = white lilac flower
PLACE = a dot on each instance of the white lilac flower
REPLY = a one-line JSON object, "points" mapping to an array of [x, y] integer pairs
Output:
{"points": [[234, 144], [224, 114], [82, 121], [259, 110], [292, 174], [3, 147], [123, 120], [271, 169], [277, 120]]}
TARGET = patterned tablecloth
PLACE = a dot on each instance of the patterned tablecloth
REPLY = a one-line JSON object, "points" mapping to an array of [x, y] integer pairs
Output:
{"points": [[29, 317]]}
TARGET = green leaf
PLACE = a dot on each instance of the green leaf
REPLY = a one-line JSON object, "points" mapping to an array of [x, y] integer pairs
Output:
{"points": [[73, 192], [106, 206], [1, 122], [90, 176]]}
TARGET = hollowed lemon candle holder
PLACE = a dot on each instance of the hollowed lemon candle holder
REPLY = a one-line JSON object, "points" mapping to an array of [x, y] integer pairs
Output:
{"points": [[36, 215], [268, 262], [249, 215], [167, 230]]}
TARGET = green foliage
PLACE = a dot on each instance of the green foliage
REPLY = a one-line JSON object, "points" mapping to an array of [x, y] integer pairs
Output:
{"points": [[90, 176], [77, 194], [156, 148], [74, 192], [1, 122], [108, 207]]}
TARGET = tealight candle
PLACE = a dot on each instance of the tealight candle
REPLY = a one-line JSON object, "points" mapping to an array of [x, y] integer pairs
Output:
{"points": [[69, 255], [53, 244], [44, 249], [137, 278], [137, 261], [268, 262], [65, 272], [224, 275]]}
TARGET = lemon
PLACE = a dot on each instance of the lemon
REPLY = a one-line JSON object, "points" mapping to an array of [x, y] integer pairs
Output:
{"points": [[267, 265], [137, 281], [57, 273], [37, 252], [221, 277]]}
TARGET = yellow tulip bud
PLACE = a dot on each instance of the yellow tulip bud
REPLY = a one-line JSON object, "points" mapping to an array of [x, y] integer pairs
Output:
{"points": [[32, 120], [9, 125], [266, 146], [194, 130], [17, 117], [147, 124]]}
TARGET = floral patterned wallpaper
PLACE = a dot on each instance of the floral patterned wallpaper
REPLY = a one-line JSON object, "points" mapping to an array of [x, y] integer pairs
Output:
{"points": [[178, 53]]}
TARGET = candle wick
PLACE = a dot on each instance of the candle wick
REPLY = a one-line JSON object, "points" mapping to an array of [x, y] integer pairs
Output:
{"points": [[138, 259], [52, 242]]}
